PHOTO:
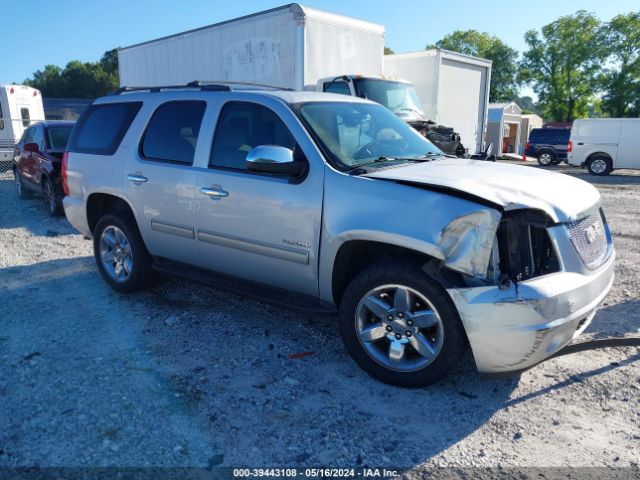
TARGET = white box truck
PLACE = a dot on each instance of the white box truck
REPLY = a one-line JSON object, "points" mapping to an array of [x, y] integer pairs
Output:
{"points": [[604, 144], [20, 106], [453, 88], [291, 47]]}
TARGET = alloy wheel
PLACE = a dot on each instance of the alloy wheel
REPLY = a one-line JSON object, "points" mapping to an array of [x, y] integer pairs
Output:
{"points": [[399, 328], [115, 254], [545, 159], [50, 197]]}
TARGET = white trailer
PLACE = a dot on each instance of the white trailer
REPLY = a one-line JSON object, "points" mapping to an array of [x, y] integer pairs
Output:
{"points": [[453, 89], [20, 106], [290, 46]]}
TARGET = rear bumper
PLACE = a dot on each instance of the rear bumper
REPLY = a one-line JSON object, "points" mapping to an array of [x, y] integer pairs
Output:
{"points": [[75, 212], [511, 330]]}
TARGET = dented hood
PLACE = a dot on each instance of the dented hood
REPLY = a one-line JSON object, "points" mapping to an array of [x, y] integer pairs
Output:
{"points": [[563, 197]]}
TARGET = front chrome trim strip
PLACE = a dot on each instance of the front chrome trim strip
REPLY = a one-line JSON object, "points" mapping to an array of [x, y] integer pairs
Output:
{"points": [[172, 229], [283, 253]]}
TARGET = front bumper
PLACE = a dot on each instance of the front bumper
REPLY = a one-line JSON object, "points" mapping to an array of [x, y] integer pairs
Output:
{"points": [[513, 329]]}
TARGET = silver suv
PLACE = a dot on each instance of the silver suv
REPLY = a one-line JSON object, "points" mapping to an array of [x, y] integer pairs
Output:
{"points": [[328, 202]]}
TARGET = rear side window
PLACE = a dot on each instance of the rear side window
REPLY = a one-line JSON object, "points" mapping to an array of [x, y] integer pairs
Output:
{"points": [[102, 127], [172, 133]]}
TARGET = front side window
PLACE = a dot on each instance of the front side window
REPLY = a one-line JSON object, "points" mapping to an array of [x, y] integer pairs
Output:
{"points": [[58, 137], [101, 128], [173, 131], [26, 117], [337, 87], [243, 126], [396, 96], [353, 134]]}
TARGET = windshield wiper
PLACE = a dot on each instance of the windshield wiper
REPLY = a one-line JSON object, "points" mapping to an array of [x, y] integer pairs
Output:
{"points": [[370, 162]]}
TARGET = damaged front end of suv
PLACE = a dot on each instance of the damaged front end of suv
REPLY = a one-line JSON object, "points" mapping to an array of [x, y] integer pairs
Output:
{"points": [[543, 283], [527, 272]]}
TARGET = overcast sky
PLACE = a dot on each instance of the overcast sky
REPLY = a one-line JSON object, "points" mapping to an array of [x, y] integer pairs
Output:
{"points": [[57, 32]]}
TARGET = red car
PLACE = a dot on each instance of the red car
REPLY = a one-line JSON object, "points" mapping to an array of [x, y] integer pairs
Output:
{"points": [[37, 160]]}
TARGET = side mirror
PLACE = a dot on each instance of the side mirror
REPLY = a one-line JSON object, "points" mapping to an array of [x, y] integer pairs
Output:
{"points": [[31, 147], [274, 160]]}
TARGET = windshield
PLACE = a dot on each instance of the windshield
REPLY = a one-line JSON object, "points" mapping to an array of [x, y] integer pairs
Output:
{"points": [[398, 97], [58, 137], [353, 134]]}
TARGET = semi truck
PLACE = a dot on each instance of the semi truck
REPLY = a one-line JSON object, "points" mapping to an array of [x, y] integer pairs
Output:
{"points": [[291, 47]]}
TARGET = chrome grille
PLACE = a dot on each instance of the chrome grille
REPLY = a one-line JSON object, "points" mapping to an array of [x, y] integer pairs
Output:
{"points": [[589, 237]]}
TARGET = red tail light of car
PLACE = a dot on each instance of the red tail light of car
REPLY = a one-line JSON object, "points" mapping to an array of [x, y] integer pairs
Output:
{"points": [[528, 147], [65, 182], [570, 147]]}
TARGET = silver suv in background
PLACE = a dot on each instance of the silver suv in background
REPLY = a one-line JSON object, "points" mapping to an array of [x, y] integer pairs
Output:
{"points": [[323, 201]]}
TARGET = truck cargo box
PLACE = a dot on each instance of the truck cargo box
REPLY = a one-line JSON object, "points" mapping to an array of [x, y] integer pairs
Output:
{"points": [[290, 46]]}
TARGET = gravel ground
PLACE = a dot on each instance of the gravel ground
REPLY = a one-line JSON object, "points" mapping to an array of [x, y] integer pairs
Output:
{"points": [[185, 375]]}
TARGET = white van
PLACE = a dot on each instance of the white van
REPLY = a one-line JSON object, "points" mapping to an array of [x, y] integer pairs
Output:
{"points": [[20, 106], [604, 144]]}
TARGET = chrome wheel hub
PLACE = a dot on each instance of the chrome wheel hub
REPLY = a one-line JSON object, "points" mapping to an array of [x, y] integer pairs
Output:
{"points": [[399, 328], [545, 159], [598, 165], [115, 254]]}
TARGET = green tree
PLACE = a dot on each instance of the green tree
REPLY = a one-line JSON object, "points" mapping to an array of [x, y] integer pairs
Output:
{"points": [[621, 82], [77, 79], [388, 51], [527, 105], [564, 64], [481, 44]]}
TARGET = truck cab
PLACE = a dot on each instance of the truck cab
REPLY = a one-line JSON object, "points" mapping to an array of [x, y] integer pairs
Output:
{"points": [[400, 97]]}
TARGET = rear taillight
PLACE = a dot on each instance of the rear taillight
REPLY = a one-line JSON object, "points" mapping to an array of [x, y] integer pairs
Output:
{"points": [[65, 183], [570, 147], [528, 147]]}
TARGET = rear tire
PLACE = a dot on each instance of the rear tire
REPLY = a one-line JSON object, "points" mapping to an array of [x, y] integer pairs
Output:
{"points": [[546, 158], [600, 166], [52, 198], [120, 253], [411, 336]]}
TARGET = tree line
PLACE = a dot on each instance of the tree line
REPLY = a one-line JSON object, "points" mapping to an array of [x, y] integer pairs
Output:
{"points": [[578, 66]]}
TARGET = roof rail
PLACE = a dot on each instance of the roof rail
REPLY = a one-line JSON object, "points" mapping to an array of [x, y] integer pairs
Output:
{"points": [[207, 84], [215, 86]]}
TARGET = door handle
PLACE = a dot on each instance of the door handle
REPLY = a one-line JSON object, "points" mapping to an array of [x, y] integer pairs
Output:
{"points": [[136, 178], [214, 192], [580, 143]]}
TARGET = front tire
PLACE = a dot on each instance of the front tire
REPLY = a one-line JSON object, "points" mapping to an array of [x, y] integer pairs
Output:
{"points": [[400, 326], [120, 253], [600, 166]]}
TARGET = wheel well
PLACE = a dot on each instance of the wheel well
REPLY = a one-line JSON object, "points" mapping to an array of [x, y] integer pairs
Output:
{"points": [[356, 255], [546, 150], [598, 154], [98, 204]]}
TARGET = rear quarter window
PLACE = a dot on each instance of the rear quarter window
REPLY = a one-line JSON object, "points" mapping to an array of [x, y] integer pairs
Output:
{"points": [[102, 127]]}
